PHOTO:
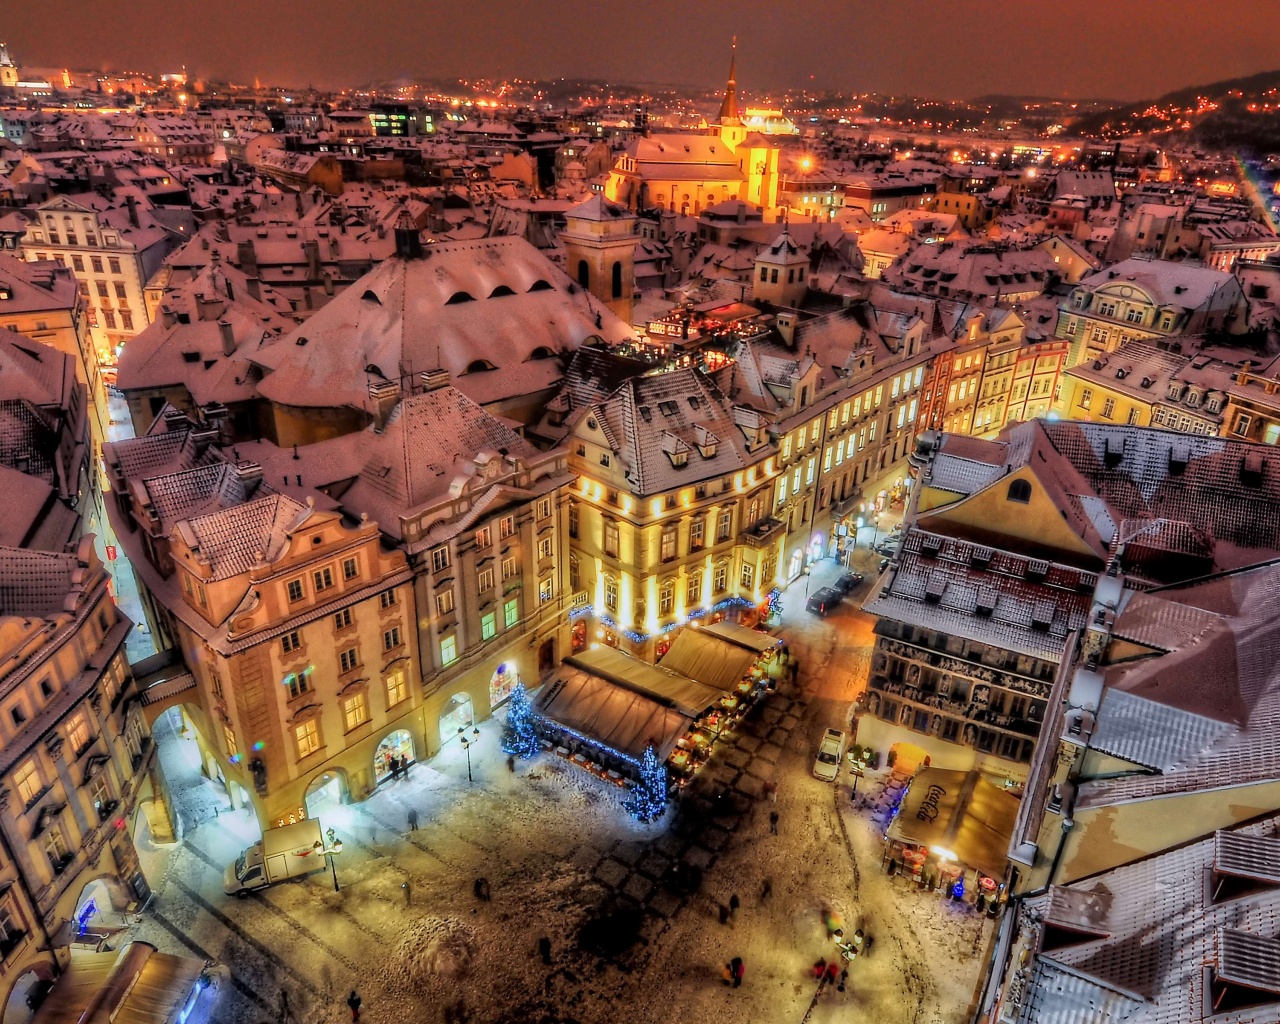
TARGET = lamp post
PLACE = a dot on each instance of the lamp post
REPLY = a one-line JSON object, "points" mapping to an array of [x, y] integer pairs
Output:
{"points": [[466, 745]]}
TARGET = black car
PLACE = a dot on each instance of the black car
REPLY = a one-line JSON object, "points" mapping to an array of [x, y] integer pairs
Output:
{"points": [[824, 601], [884, 564], [848, 583]]}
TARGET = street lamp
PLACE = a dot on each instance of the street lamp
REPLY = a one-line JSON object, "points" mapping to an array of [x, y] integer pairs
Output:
{"points": [[333, 849], [466, 745]]}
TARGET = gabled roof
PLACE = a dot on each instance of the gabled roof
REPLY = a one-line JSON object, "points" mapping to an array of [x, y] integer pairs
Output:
{"points": [[235, 539]]}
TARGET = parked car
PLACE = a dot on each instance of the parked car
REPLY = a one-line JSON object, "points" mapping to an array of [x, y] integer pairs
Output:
{"points": [[889, 546], [824, 601], [847, 583], [827, 764], [884, 564]]}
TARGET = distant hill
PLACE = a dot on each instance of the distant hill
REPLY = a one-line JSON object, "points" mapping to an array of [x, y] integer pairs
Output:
{"points": [[1215, 115]]}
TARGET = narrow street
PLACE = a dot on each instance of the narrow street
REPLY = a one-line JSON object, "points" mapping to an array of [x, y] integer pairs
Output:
{"points": [[564, 862]]}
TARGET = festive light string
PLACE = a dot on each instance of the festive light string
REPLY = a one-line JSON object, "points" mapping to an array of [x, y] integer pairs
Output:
{"points": [[637, 637]]}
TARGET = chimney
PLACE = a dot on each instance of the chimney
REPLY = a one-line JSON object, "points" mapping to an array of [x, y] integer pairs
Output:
{"points": [[228, 337], [209, 308], [742, 212], [433, 380], [311, 249], [250, 474], [384, 395], [254, 287], [167, 316], [247, 257], [132, 201]]}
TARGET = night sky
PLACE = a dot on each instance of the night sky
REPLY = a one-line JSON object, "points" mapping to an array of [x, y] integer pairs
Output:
{"points": [[1123, 49]]}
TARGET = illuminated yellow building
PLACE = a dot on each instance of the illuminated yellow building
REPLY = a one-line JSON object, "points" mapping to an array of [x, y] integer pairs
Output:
{"points": [[671, 518], [687, 173]]}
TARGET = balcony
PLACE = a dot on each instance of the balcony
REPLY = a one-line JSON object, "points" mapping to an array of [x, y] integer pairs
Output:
{"points": [[764, 533]]}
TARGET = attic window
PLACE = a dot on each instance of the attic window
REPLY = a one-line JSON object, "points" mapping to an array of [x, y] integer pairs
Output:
{"points": [[500, 291], [542, 352], [1252, 469], [191, 357], [371, 296], [667, 408], [1246, 974], [646, 414], [458, 297], [479, 366], [1243, 865], [1019, 491], [540, 286], [302, 340]]}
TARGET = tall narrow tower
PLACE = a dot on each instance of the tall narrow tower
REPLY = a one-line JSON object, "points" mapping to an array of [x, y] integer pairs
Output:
{"points": [[600, 252], [732, 131], [8, 69]]}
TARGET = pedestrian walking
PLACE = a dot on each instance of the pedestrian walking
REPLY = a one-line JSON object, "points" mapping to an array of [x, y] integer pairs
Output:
{"points": [[724, 914], [511, 764], [354, 1001], [773, 822], [766, 889], [481, 889], [413, 819], [727, 974], [408, 892], [738, 969], [866, 945], [844, 977], [734, 903], [819, 968], [832, 972], [544, 949]]}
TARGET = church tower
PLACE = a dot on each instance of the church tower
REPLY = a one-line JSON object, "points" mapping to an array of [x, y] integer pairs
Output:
{"points": [[732, 130], [8, 69], [600, 252]]}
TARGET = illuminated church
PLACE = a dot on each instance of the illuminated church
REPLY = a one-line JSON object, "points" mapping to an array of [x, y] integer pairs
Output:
{"points": [[687, 173]]}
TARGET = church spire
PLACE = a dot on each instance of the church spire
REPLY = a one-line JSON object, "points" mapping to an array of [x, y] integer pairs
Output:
{"points": [[729, 107]]}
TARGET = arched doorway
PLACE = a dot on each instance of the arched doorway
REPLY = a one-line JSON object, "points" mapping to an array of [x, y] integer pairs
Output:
{"points": [[546, 658], [398, 744], [27, 994], [326, 791], [458, 715], [502, 682]]}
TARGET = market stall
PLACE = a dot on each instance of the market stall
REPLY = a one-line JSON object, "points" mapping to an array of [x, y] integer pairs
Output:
{"points": [[137, 985], [949, 824]]}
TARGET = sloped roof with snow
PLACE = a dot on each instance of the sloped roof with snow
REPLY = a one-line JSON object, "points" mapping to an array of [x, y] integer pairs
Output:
{"points": [[492, 312]]}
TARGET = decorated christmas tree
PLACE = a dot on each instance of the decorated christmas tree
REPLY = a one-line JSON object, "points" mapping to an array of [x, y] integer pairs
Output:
{"points": [[649, 797], [519, 737]]}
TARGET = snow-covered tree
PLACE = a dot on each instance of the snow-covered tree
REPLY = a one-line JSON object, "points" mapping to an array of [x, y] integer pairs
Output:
{"points": [[519, 737], [649, 796]]}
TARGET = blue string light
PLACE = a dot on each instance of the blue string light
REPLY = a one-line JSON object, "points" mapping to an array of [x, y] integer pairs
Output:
{"points": [[638, 638]]}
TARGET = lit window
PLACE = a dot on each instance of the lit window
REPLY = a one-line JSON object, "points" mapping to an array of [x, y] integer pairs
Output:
{"points": [[355, 711], [78, 733], [229, 741], [448, 650], [508, 568], [439, 559], [546, 590], [748, 577], [484, 537], [397, 687], [545, 548], [506, 526], [307, 736], [488, 626], [544, 508], [511, 613], [27, 782], [484, 581]]}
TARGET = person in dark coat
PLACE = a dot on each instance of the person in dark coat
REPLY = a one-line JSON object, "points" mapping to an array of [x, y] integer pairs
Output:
{"points": [[738, 969], [724, 914], [734, 903], [819, 967], [773, 822], [544, 949], [766, 889], [413, 819], [833, 971], [353, 1002]]}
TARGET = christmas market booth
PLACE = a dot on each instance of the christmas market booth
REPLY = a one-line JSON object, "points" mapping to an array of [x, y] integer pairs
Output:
{"points": [[136, 985], [602, 708], [951, 833], [727, 656]]}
